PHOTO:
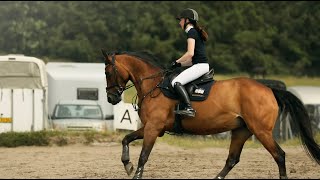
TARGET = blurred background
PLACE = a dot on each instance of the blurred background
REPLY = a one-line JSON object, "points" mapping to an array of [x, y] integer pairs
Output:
{"points": [[275, 37]]}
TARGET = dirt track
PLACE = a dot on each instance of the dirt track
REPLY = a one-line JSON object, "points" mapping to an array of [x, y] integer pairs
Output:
{"points": [[103, 161]]}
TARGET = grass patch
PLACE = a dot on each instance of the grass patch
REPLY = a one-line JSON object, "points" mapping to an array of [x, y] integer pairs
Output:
{"points": [[63, 138], [59, 138], [14, 139]]}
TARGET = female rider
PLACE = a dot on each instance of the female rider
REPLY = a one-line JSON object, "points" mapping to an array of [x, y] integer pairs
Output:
{"points": [[195, 57]]}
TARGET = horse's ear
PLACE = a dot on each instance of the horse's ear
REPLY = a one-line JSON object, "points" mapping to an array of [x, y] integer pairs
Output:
{"points": [[106, 56], [104, 53]]}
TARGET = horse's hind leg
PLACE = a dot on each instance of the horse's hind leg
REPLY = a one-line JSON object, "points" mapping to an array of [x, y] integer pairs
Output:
{"points": [[125, 158], [238, 137], [266, 139]]}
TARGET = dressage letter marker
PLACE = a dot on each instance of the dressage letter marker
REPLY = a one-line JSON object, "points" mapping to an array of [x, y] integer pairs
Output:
{"points": [[123, 117]]}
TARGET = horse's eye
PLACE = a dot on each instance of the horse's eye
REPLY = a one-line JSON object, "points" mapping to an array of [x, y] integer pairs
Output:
{"points": [[107, 74]]}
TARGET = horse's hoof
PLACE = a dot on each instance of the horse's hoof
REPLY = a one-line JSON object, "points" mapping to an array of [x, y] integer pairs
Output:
{"points": [[219, 177], [129, 168], [136, 177]]}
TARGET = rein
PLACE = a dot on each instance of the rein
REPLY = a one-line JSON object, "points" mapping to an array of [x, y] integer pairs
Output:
{"points": [[153, 76]]}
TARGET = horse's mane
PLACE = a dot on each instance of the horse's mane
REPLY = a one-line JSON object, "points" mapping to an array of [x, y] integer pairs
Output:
{"points": [[145, 56]]}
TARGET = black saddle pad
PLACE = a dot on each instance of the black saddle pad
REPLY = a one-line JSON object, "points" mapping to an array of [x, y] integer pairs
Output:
{"points": [[197, 90]]}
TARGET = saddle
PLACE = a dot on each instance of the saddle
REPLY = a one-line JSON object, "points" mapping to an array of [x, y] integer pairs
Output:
{"points": [[198, 89]]}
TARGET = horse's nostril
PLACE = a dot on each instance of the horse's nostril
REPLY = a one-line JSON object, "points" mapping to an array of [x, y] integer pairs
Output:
{"points": [[109, 99]]}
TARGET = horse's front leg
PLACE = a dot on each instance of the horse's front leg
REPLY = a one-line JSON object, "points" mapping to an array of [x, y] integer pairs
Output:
{"points": [[125, 158], [150, 136]]}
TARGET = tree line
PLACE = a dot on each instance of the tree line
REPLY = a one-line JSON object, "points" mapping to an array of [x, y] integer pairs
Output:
{"points": [[280, 37]]}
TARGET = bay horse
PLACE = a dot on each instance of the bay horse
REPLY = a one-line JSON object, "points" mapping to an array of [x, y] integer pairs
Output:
{"points": [[240, 105]]}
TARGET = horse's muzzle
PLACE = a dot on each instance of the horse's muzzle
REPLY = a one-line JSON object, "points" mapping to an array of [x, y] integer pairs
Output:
{"points": [[113, 99]]}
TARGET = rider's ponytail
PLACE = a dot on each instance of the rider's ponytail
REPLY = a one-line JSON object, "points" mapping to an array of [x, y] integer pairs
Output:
{"points": [[204, 34]]}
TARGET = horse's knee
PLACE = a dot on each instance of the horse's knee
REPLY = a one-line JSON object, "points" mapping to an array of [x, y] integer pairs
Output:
{"points": [[124, 141]]}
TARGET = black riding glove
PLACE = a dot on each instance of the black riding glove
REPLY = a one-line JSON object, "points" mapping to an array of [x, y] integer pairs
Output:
{"points": [[175, 64]]}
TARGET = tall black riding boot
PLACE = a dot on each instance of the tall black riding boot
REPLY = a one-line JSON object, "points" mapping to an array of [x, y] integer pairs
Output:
{"points": [[188, 111]]}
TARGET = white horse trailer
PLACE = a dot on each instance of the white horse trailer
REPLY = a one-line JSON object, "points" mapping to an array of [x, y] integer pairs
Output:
{"points": [[79, 81], [23, 94]]}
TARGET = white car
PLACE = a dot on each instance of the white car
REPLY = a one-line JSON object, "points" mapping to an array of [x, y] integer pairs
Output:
{"points": [[78, 115]]}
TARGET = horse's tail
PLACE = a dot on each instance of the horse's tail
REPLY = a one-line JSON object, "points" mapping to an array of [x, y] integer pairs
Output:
{"points": [[289, 103]]}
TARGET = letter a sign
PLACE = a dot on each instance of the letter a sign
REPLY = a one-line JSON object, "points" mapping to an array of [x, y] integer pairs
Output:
{"points": [[126, 118]]}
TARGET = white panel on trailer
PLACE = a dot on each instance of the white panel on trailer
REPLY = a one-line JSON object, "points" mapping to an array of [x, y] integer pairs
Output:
{"points": [[22, 110], [5, 110], [38, 110]]}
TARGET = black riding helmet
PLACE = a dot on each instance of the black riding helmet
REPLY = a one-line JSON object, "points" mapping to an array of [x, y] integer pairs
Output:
{"points": [[190, 14]]}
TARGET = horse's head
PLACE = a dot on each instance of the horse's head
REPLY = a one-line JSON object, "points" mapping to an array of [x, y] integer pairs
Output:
{"points": [[116, 78]]}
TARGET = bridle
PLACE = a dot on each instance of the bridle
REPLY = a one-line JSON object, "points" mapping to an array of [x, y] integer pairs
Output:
{"points": [[121, 89], [117, 85]]}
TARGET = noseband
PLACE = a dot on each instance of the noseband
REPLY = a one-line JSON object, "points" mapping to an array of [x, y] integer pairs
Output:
{"points": [[118, 87]]}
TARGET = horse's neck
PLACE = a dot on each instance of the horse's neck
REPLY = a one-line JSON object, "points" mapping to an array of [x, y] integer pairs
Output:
{"points": [[146, 81], [144, 76]]}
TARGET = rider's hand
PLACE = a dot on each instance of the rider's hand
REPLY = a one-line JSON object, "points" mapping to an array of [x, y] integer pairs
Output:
{"points": [[175, 64]]}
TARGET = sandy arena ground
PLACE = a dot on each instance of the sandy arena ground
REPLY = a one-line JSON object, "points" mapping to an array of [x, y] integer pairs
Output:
{"points": [[165, 161]]}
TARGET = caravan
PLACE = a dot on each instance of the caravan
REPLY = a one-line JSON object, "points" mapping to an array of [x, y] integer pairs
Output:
{"points": [[23, 94], [76, 82]]}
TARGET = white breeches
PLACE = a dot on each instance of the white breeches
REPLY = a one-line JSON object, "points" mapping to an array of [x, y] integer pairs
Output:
{"points": [[191, 73]]}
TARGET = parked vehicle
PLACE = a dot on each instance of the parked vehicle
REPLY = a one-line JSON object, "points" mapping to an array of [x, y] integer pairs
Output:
{"points": [[79, 115]]}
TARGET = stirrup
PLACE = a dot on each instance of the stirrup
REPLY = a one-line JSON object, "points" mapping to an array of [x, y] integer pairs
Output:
{"points": [[186, 112]]}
